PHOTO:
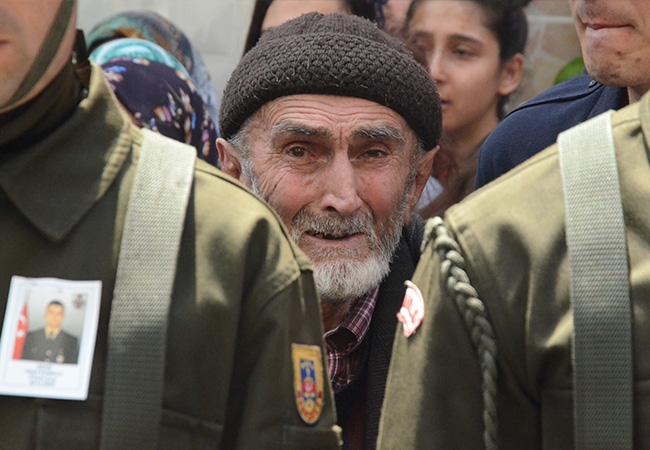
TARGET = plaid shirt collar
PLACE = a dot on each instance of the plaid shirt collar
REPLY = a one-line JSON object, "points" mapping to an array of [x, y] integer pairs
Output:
{"points": [[341, 342]]}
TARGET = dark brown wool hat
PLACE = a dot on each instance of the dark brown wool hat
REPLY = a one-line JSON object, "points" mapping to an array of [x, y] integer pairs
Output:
{"points": [[332, 54]]}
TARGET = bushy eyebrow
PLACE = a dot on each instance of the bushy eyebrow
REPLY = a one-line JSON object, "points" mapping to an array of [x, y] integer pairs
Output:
{"points": [[379, 132], [291, 128], [382, 132]]}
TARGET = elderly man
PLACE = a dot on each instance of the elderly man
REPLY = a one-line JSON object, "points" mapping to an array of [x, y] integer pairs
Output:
{"points": [[190, 367], [519, 242], [333, 123]]}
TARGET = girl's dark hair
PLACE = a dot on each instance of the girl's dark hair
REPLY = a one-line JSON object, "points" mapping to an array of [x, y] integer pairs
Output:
{"points": [[361, 8], [506, 20], [509, 25]]}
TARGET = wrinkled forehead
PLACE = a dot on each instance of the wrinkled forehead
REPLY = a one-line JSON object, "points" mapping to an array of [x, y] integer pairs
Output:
{"points": [[331, 117]]}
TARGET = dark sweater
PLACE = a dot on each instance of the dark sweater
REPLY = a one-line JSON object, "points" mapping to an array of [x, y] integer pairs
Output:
{"points": [[378, 344]]}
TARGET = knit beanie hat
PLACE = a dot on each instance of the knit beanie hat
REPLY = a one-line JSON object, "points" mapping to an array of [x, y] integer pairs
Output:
{"points": [[332, 54]]}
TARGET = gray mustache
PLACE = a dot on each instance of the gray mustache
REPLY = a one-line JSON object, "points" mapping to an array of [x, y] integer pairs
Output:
{"points": [[332, 225]]}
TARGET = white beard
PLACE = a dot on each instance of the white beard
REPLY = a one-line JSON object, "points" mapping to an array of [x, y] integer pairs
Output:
{"points": [[345, 274], [345, 280]]}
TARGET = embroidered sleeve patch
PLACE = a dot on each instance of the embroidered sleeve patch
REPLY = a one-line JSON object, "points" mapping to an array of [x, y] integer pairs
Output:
{"points": [[308, 381]]}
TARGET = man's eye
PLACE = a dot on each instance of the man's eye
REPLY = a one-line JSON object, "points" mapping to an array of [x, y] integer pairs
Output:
{"points": [[374, 154], [297, 152]]}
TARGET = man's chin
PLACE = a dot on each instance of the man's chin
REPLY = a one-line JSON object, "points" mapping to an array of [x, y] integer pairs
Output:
{"points": [[609, 68], [345, 280]]}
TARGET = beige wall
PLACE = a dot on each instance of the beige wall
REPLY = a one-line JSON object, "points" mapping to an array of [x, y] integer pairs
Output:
{"points": [[218, 28], [552, 43]]}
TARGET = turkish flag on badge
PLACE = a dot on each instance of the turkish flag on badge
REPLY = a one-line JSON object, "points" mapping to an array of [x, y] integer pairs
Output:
{"points": [[21, 333]]}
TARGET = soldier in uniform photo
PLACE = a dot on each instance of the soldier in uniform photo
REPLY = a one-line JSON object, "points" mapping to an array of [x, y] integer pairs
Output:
{"points": [[51, 343]]}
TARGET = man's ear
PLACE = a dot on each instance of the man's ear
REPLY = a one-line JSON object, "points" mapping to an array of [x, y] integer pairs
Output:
{"points": [[423, 171], [230, 158]]}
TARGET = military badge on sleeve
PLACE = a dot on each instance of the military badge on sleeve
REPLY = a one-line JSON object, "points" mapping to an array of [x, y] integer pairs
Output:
{"points": [[308, 381]]}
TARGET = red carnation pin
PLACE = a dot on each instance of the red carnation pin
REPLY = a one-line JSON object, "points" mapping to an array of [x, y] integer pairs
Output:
{"points": [[411, 313]]}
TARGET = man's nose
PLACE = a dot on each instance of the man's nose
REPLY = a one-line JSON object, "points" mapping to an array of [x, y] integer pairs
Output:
{"points": [[340, 187]]}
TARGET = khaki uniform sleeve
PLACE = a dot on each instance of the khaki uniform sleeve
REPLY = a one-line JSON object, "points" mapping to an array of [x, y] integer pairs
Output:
{"points": [[261, 286], [263, 387]]}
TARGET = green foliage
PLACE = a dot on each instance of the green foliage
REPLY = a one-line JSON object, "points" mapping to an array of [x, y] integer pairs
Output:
{"points": [[575, 67]]}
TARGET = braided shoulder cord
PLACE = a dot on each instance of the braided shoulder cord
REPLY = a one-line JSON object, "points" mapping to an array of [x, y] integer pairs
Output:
{"points": [[473, 310]]}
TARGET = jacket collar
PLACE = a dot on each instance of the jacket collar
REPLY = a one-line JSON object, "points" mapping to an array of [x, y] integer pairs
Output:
{"points": [[55, 182]]}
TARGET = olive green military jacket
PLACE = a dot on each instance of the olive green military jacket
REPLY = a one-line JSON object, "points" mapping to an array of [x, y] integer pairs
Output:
{"points": [[512, 236], [243, 293]]}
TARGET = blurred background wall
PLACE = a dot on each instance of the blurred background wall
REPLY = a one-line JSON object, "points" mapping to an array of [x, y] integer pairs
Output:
{"points": [[218, 29], [552, 44]]}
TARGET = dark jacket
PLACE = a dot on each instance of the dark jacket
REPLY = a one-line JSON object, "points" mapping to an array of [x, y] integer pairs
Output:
{"points": [[62, 349], [533, 126], [378, 344]]}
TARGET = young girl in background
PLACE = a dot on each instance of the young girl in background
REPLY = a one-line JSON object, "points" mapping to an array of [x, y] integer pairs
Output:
{"points": [[474, 52]]}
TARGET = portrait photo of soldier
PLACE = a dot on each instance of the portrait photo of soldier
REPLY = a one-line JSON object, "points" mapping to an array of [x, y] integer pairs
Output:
{"points": [[51, 343]]}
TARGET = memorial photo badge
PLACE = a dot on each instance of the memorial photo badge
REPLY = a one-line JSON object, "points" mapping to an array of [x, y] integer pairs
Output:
{"points": [[48, 337], [308, 381]]}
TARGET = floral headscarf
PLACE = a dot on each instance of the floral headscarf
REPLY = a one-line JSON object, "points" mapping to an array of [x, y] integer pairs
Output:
{"points": [[153, 27], [133, 48], [164, 100]]}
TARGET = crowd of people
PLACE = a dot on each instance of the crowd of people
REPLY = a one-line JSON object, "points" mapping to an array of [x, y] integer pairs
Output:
{"points": [[301, 261]]}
